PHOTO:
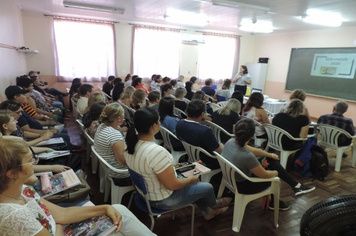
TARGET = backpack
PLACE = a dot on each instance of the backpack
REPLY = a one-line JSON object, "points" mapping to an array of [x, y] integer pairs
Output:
{"points": [[319, 163]]}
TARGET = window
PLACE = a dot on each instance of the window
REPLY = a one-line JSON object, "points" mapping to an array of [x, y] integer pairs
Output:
{"points": [[156, 51], [84, 49], [216, 57]]}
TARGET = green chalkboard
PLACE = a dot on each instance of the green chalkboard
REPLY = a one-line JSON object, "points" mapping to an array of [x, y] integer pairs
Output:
{"points": [[328, 72]]}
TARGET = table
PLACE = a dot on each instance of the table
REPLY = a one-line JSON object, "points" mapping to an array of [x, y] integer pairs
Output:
{"points": [[272, 105]]}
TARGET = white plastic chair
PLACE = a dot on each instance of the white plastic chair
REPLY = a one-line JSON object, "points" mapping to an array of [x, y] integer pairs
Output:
{"points": [[75, 112], [117, 192], [329, 139], [222, 104], [217, 130], [166, 134], [275, 135], [258, 141], [194, 155], [241, 200], [179, 112], [81, 125], [94, 159]]}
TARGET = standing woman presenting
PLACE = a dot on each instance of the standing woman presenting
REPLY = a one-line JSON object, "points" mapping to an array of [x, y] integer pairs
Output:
{"points": [[240, 80]]}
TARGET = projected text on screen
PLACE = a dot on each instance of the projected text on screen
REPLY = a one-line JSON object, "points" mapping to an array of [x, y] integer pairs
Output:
{"points": [[340, 65]]}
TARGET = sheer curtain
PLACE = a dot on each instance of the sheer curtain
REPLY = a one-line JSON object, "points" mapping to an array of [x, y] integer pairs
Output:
{"points": [[156, 51], [84, 50], [217, 57]]}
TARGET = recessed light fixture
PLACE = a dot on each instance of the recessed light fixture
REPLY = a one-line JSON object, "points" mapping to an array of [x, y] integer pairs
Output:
{"points": [[240, 5], [322, 18], [256, 27], [186, 18], [93, 7]]}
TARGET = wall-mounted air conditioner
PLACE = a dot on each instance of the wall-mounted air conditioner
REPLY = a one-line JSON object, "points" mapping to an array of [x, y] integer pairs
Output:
{"points": [[192, 38]]}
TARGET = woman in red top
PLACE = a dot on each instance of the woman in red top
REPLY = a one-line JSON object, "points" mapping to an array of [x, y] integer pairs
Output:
{"points": [[138, 84]]}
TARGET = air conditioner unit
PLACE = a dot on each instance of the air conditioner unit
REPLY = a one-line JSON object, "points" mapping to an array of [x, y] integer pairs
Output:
{"points": [[192, 38]]}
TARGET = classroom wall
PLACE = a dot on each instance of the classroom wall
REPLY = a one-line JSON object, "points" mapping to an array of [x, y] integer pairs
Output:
{"points": [[278, 48], [12, 62]]}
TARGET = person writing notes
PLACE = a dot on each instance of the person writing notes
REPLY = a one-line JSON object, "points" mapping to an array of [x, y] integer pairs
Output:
{"points": [[242, 79]]}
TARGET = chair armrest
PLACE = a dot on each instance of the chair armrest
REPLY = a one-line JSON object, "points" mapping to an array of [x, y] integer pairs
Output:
{"points": [[311, 135], [257, 179]]}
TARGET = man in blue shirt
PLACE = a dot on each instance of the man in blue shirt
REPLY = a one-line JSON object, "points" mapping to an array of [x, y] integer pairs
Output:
{"points": [[207, 88], [192, 132]]}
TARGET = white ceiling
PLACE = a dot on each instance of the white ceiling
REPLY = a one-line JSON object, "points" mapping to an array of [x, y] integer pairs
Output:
{"points": [[223, 19]]}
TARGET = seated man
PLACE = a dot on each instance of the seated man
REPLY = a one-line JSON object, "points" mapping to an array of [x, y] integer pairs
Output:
{"points": [[207, 88], [108, 86], [85, 91], [337, 119], [190, 131]]}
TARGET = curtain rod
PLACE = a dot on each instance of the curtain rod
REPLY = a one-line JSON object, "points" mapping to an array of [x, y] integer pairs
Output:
{"points": [[156, 27], [81, 19]]}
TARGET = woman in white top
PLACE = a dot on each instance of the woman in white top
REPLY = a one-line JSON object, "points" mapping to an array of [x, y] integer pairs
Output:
{"points": [[241, 80], [224, 91], [110, 143], [24, 213], [155, 164], [128, 80]]}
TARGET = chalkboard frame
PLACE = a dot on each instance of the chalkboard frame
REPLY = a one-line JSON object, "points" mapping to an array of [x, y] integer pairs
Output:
{"points": [[323, 87]]}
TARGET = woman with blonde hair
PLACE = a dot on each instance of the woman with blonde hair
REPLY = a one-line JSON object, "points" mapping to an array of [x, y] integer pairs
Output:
{"points": [[95, 97], [109, 141], [295, 122], [227, 117], [127, 98], [23, 212], [301, 95], [138, 98]]}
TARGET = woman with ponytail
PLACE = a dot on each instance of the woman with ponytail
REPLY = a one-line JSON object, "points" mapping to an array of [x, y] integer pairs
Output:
{"points": [[92, 119], [155, 164], [110, 143], [267, 166]]}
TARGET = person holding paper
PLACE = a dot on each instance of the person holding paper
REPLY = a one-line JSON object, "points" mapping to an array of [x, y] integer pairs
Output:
{"points": [[20, 205], [242, 79]]}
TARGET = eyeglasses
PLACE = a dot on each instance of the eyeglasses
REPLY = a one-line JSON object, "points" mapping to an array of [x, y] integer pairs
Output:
{"points": [[34, 161]]}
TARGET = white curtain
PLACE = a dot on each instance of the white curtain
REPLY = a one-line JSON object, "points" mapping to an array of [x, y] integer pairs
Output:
{"points": [[216, 58], [156, 51], [85, 50]]}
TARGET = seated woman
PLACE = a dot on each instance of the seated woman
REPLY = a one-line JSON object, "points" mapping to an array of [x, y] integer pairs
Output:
{"points": [[301, 95], [178, 102], [138, 84], [240, 97], [253, 109], [117, 91], [92, 119], [167, 90], [295, 122], [224, 91], [110, 143], [200, 95], [156, 82], [227, 117], [155, 164], [244, 157], [128, 80], [21, 205], [189, 88], [138, 99], [127, 98], [153, 99], [194, 80], [95, 97]]}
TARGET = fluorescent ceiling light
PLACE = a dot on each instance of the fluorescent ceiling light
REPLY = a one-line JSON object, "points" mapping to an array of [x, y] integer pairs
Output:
{"points": [[322, 18], [240, 5], [93, 7], [187, 18], [257, 27]]}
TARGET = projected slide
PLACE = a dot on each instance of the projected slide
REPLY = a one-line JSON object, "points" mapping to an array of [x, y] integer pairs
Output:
{"points": [[340, 65]]}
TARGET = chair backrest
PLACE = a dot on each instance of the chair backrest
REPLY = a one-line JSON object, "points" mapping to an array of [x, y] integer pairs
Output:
{"points": [[220, 98], [166, 134], [106, 164], [138, 181], [194, 152], [107, 95], [217, 130], [88, 138], [80, 124], [222, 104], [275, 135], [330, 135], [179, 112]]}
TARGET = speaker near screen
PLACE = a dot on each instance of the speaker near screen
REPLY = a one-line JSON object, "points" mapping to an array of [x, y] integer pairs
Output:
{"points": [[328, 72]]}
